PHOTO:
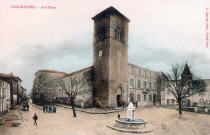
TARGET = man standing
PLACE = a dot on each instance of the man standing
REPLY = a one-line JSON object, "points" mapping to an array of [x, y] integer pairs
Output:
{"points": [[35, 119]]}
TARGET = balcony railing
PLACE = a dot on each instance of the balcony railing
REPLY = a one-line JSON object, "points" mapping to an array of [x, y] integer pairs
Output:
{"points": [[2, 97], [145, 90]]}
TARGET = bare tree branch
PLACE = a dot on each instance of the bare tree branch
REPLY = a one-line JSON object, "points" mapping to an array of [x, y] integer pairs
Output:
{"points": [[181, 82]]}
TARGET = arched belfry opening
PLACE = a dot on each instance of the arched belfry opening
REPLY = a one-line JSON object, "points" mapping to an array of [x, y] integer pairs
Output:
{"points": [[119, 95]]}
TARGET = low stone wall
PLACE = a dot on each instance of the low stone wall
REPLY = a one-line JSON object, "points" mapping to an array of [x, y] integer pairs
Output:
{"points": [[197, 109], [189, 109], [63, 100], [202, 110]]}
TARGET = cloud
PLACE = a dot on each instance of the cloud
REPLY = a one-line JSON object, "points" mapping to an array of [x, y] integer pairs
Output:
{"points": [[161, 59], [41, 54], [24, 61]]}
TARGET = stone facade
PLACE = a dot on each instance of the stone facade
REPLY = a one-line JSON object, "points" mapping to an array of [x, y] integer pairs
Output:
{"points": [[15, 88], [110, 47], [4, 95], [202, 99], [142, 85], [23, 93], [85, 94], [17, 91]]}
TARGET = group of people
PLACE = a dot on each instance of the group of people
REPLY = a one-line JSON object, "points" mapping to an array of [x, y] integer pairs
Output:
{"points": [[124, 104], [49, 109]]}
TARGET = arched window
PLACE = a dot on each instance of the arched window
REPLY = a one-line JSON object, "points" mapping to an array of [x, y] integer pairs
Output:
{"points": [[139, 97], [122, 36], [102, 34], [117, 36]]}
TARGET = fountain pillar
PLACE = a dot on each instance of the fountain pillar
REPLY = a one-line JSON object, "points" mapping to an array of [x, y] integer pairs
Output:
{"points": [[130, 112]]}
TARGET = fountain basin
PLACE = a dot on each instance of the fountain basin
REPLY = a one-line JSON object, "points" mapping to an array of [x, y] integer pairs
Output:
{"points": [[130, 124]]}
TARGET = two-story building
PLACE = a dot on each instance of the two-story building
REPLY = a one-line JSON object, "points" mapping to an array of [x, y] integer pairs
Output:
{"points": [[142, 87], [15, 88], [4, 95]]}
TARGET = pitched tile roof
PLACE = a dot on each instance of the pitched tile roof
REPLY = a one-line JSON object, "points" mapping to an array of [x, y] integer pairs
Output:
{"points": [[50, 71], [10, 76], [108, 11], [79, 71], [4, 78]]}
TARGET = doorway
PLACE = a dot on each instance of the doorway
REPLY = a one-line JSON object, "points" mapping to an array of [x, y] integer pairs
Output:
{"points": [[119, 96], [119, 100]]}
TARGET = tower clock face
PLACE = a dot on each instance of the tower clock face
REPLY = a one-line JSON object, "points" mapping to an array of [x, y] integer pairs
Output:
{"points": [[119, 54], [100, 53]]}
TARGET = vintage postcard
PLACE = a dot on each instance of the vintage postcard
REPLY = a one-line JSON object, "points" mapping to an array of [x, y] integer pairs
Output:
{"points": [[104, 67]]}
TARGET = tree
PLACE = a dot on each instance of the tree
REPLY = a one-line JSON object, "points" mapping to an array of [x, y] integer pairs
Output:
{"points": [[158, 89], [75, 85], [182, 83]]}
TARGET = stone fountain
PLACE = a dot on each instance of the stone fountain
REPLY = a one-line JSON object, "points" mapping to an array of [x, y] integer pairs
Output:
{"points": [[131, 124]]}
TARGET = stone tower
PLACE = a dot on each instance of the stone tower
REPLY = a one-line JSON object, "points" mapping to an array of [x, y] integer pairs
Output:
{"points": [[110, 53]]}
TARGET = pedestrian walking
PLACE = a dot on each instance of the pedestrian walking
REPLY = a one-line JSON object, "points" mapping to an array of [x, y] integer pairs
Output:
{"points": [[35, 119]]}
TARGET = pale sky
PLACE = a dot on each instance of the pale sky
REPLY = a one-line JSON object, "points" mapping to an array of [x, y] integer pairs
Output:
{"points": [[161, 33]]}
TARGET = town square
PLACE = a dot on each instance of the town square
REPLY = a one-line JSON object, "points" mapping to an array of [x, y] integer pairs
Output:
{"points": [[109, 68], [165, 121]]}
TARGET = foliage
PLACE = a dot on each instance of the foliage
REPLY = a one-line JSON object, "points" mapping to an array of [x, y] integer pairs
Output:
{"points": [[158, 88]]}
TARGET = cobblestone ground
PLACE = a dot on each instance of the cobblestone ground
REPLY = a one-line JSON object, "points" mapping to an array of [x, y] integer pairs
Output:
{"points": [[165, 122]]}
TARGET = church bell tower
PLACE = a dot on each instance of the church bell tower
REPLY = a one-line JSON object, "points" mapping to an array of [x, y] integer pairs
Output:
{"points": [[110, 53]]}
